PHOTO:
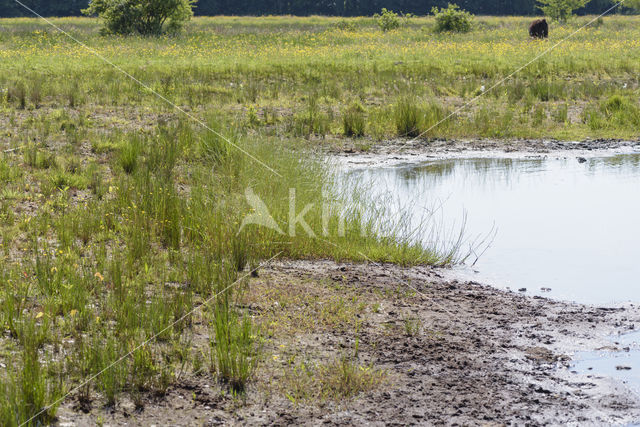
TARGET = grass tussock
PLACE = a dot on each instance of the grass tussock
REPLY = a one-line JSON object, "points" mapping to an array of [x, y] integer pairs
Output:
{"points": [[343, 378], [354, 121], [235, 348], [408, 118]]}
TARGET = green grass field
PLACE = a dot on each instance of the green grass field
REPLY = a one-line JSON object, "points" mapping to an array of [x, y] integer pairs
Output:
{"points": [[119, 214], [297, 77]]}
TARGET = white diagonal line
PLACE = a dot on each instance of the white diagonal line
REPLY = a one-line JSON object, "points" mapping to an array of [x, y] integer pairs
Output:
{"points": [[540, 55], [94, 376], [165, 99]]}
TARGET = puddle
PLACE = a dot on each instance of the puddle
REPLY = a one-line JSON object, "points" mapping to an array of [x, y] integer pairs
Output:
{"points": [[623, 365], [565, 228]]}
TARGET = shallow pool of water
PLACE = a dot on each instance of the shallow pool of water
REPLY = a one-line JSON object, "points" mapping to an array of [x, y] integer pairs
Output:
{"points": [[568, 225], [622, 365]]}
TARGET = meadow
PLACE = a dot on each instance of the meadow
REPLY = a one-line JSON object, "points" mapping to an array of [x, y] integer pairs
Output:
{"points": [[302, 76], [119, 214]]}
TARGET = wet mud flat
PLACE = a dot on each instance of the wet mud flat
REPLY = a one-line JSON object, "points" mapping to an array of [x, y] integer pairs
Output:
{"points": [[452, 352], [399, 151]]}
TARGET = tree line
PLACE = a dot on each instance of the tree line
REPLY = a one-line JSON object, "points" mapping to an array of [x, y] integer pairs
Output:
{"points": [[9, 8]]}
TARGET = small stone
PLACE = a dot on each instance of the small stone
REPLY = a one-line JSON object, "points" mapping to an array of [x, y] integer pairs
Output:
{"points": [[522, 290]]}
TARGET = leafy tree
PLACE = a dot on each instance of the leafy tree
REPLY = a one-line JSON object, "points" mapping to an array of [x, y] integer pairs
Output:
{"points": [[146, 17], [387, 20], [632, 4], [452, 19], [561, 10]]}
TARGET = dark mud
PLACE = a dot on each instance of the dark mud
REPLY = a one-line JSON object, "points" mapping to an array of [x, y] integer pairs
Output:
{"points": [[408, 151], [473, 355]]}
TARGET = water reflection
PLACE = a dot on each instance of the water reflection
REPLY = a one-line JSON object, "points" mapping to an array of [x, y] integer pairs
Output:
{"points": [[566, 224], [623, 164], [623, 365]]}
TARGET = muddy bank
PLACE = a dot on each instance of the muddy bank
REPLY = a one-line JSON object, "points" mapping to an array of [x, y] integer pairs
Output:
{"points": [[400, 151], [451, 353]]}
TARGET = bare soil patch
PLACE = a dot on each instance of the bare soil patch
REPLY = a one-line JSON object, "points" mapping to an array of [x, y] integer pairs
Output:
{"points": [[447, 352]]}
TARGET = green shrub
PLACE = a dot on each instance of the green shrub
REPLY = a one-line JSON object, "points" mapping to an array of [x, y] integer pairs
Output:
{"points": [[387, 20], [146, 17], [353, 120], [452, 19], [560, 10]]}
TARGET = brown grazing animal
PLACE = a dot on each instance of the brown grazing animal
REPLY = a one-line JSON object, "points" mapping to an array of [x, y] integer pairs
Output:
{"points": [[539, 29]]}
